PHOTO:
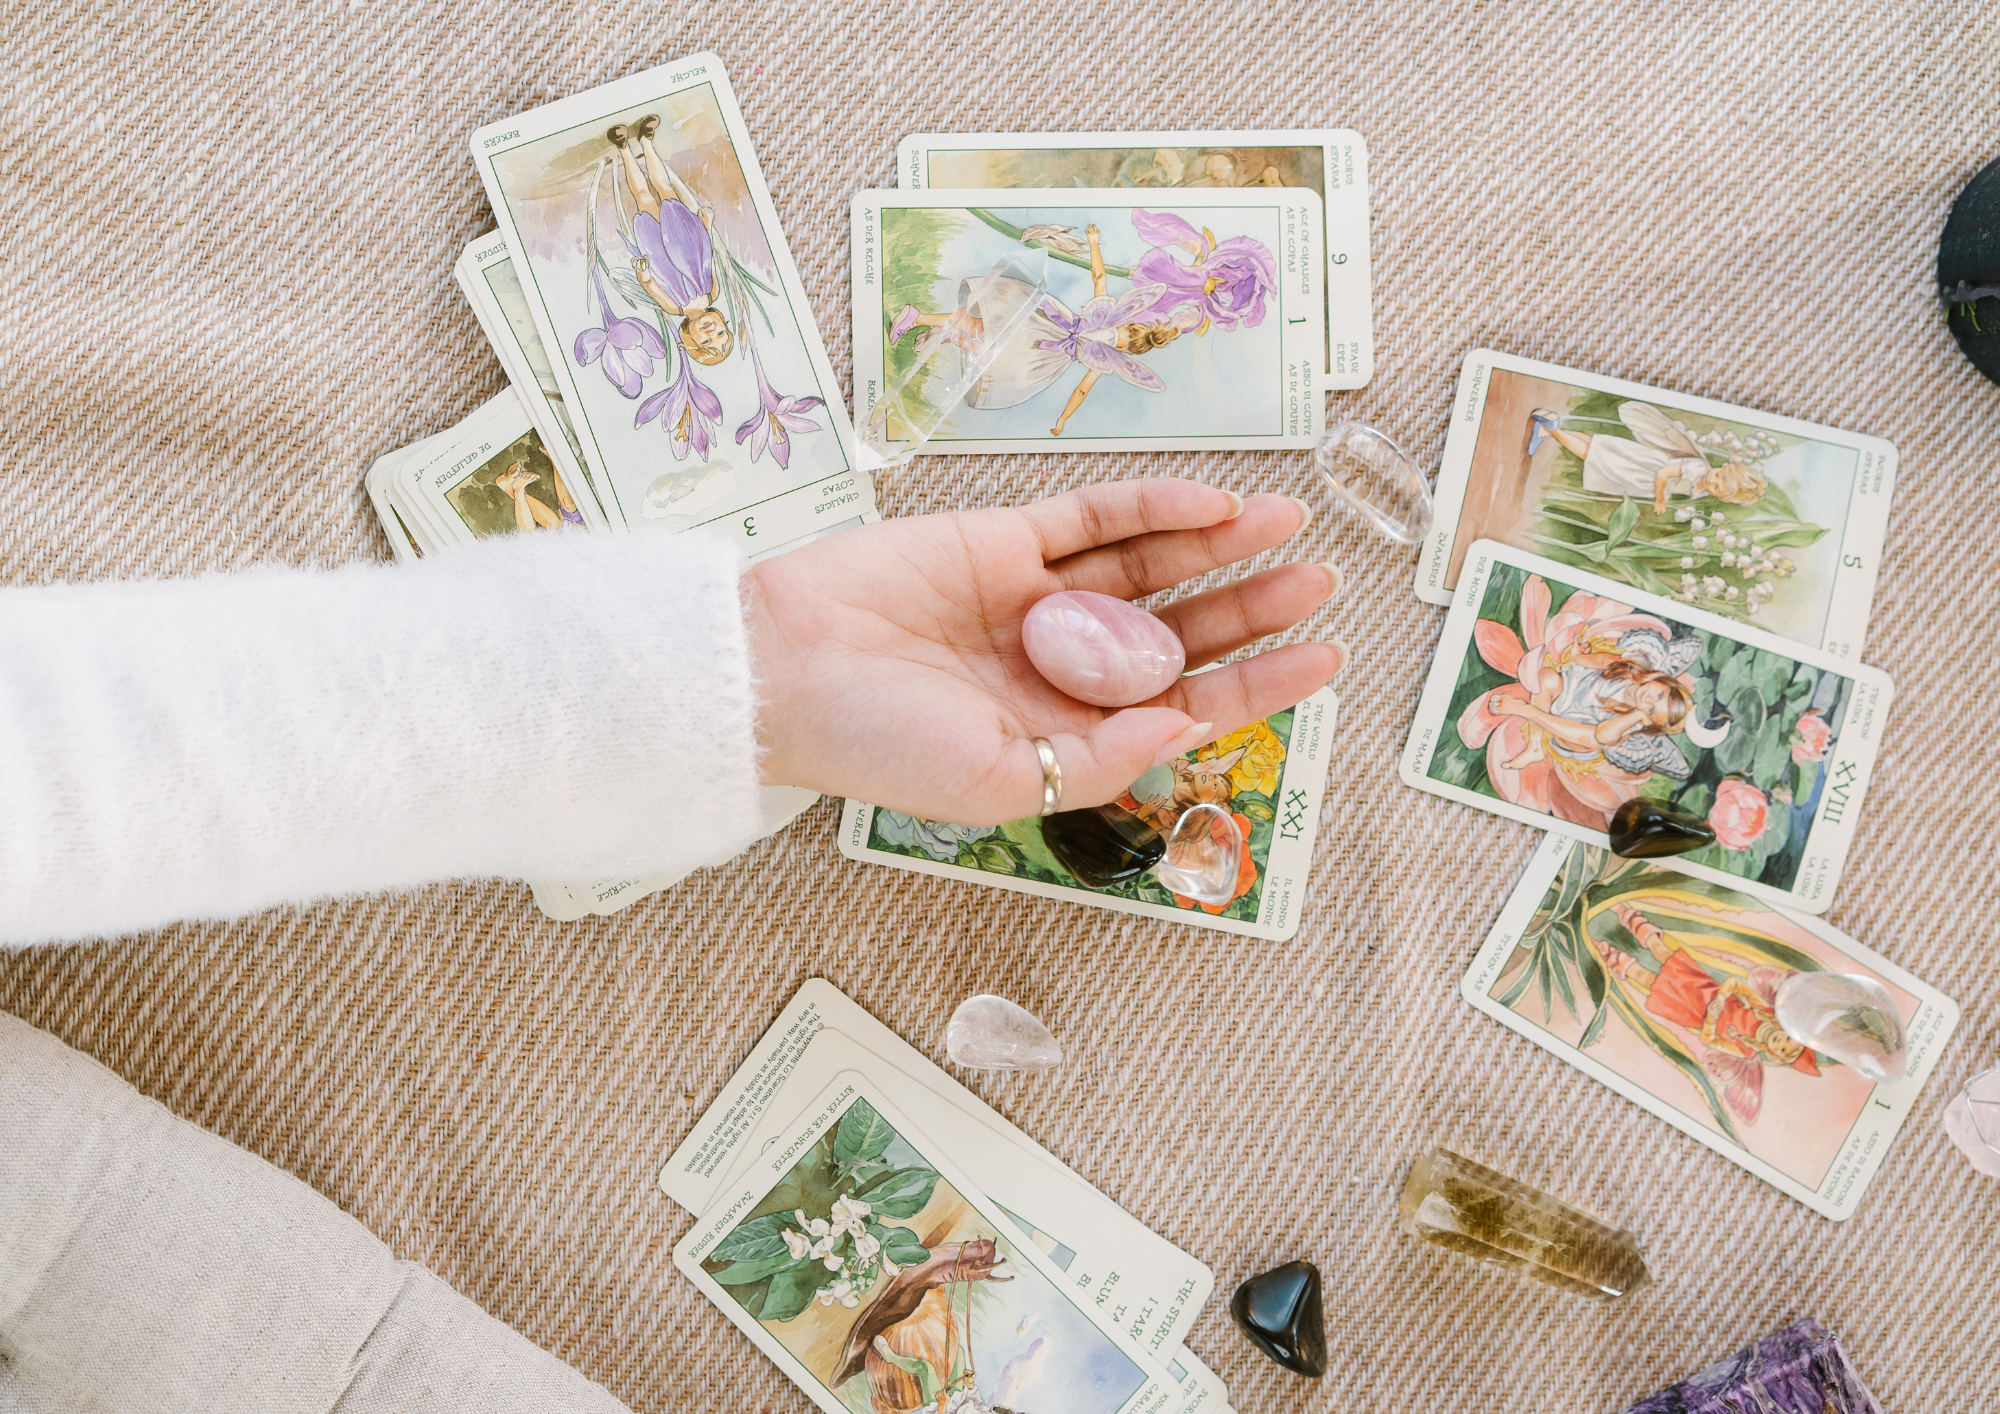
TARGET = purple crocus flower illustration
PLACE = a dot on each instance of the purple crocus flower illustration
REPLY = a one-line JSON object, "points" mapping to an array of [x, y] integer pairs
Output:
{"points": [[776, 418], [1226, 281], [623, 348], [688, 411]]}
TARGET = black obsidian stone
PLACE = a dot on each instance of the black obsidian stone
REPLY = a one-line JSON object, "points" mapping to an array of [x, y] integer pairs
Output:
{"points": [[1643, 829], [1969, 270], [1104, 844], [1280, 1312]]}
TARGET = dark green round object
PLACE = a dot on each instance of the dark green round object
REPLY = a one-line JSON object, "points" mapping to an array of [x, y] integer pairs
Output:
{"points": [[1969, 270]]}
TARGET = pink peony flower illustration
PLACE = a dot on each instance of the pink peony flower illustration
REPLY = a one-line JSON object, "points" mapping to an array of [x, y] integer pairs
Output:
{"points": [[1583, 792], [1739, 815], [1810, 737]]}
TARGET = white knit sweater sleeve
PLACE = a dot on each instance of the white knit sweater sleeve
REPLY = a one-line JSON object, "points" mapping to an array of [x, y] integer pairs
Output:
{"points": [[546, 706]]}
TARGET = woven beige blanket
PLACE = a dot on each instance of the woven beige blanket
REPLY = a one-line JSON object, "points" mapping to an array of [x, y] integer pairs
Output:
{"points": [[225, 286]]}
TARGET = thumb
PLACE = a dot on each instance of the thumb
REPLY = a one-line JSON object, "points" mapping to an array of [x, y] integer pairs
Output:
{"points": [[1121, 748]]}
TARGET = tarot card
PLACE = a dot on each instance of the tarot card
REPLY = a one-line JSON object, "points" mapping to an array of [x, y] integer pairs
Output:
{"points": [[1270, 775], [866, 1262], [485, 272], [1765, 519], [1144, 1283], [1332, 162], [683, 345], [1661, 986], [1194, 321], [1117, 1242], [378, 483], [490, 475], [1556, 696]]}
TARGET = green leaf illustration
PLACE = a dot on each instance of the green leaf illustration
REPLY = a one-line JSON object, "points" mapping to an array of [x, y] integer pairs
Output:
{"points": [[900, 1246], [1622, 521], [756, 1240], [743, 1273], [899, 1193], [994, 858], [791, 1291], [1774, 754], [863, 1134]]}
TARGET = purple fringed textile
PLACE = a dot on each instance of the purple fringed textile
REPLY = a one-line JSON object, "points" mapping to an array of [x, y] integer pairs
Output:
{"points": [[1800, 1370]]}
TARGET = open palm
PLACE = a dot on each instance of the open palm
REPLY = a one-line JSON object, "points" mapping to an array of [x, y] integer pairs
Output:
{"points": [[890, 664]]}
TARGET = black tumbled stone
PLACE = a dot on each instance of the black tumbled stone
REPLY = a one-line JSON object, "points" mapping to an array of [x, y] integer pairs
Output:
{"points": [[1280, 1312], [1645, 829], [1103, 845]]}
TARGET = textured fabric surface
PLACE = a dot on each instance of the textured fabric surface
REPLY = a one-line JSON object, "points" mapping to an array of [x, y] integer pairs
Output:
{"points": [[146, 1265], [199, 748], [227, 287]]}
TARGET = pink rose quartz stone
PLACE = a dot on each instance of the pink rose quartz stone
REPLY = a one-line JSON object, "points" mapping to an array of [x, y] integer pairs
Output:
{"points": [[1101, 650]]}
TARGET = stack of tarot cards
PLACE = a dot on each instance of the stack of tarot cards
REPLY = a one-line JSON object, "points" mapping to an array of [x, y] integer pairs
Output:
{"points": [[1205, 289], [672, 378], [893, 1243], [666, 374], [1661, 598]]}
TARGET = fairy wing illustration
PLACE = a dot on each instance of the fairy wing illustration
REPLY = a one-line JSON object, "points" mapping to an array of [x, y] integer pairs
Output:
{"points": [[1106, 359], [1742, 1081], [1105, 313], [1658, 431], [1642, 753], [1657, 651]]}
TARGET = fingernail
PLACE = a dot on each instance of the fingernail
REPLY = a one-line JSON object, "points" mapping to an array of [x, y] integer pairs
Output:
{"points": [[1341, 648], [1333, 573], [1236, 505], [1194, 736], [1306, 513]]}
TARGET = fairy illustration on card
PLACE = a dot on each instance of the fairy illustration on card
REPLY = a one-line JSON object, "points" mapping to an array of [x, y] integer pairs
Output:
{"points": [[652, 265], [1672, 983], [1158, 323], [1571, 703], [1729, 510], [1169, 297], [895, 1293]]}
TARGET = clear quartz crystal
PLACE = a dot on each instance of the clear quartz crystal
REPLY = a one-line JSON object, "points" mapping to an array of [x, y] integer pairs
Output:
{"points": [[1846, 1016], [1972, 1120], [991, 1033], [1376, 479], [1484, 1214], [943, 372], [1204, 855]]}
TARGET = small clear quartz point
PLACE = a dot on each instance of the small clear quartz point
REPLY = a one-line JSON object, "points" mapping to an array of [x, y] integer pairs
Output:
{"points": [[991, 1033], [1972, 1120], [1204, 855], [1848, 1017], [1376, 479]]}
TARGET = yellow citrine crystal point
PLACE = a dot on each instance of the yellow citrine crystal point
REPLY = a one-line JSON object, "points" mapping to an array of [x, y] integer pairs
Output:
{"points": [[1481, 1212]]}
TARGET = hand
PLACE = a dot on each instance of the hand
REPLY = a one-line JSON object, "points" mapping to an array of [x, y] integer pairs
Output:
{"points": [[890, 662]]}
